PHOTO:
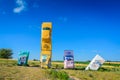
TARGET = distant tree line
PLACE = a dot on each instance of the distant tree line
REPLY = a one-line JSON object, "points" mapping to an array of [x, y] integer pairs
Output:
{"points": [[6, 53]]}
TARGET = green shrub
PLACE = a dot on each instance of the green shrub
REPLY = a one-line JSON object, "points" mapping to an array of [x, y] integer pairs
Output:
{"points": [[58, 75], [103, 69], [109, 69]]}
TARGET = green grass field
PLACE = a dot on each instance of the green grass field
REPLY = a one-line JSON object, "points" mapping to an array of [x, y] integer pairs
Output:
{"points": [[10, 71]]}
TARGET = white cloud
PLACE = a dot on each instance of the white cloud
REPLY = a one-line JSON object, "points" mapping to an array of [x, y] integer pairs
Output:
{"points": [[21, 6]]}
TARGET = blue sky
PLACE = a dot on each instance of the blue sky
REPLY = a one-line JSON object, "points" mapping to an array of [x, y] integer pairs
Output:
{"points": [[88, 27]]}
